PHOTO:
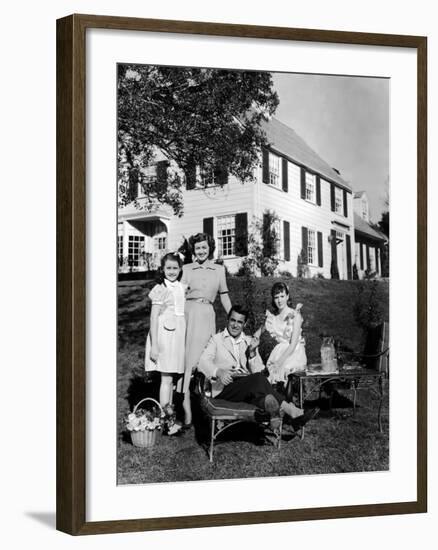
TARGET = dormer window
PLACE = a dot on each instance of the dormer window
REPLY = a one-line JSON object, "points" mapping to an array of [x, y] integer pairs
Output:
{"points": [[365, 210]]}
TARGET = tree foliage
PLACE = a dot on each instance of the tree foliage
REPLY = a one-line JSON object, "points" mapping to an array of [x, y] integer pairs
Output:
{"points": [[383, 224], [196, 117], [263, 246]]}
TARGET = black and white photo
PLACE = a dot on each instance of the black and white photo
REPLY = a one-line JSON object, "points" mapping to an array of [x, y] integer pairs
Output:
{"points": [[253, 274]]}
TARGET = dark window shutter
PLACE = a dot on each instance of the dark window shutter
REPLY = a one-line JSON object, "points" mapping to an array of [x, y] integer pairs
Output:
{"points": [[320, 251], [377, 260], [241, 246], [286, 239], [190, 172], [332, 197], [303, 182], [361, 255], [345, 204], [368, 257], [220, 175], [162, 166], [207, 226], [348, 241], [285, 175], [334, 271], [318, 190], [304, 243], [265, 165]]}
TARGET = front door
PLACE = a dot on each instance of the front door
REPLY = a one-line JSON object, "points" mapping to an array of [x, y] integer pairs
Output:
{"points": [[342, 255]]}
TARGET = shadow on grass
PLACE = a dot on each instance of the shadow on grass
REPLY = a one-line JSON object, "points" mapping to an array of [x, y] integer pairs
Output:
{"points": [[141, 386]]}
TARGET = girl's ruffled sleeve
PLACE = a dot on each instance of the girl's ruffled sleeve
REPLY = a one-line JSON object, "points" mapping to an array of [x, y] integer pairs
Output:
{"points": [[269, 322], [157, 295]]}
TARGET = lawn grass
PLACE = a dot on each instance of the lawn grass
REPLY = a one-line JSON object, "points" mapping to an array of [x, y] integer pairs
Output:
{"points": [[334, 442]]}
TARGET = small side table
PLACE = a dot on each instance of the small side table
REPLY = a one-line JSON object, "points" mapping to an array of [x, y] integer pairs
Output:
{"points": [[313, 380]]}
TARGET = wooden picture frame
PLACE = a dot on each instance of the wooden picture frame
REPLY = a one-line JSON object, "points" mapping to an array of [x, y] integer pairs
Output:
{"points": [[71, 273]]}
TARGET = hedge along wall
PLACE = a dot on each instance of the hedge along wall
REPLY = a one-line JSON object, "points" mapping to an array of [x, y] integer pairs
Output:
{"points": [[328, 308]]}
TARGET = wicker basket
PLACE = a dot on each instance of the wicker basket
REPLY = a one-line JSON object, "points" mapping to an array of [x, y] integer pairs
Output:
{"points": [[145, 438]]}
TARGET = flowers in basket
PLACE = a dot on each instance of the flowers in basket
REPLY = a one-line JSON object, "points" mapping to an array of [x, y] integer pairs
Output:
{"points": [[143, 419], [144, 424]]}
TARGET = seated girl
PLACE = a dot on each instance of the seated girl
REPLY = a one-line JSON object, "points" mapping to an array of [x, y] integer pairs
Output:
{"points": [[284, 325]]}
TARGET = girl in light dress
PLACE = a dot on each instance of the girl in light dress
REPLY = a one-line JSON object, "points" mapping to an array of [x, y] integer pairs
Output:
{"points": [[284, 325], [165, 343]]}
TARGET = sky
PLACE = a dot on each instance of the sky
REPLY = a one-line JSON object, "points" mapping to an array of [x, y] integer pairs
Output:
{"points": [[346, 121]]}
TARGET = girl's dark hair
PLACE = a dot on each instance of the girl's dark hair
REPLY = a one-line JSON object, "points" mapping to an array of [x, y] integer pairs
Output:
{"points": [[160, 271], [277, 288], [199, 238]]}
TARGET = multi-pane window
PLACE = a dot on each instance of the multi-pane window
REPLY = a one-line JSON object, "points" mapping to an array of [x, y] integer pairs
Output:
{"points": [[226, 235], [339, 203], [311, 247], [135, 249], [274, 170], [149, 175], [120, 248], [206, 178], [310, 187], [160, 244]]}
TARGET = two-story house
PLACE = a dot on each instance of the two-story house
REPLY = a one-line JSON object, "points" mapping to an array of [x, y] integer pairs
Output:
{"points": [[314, 205], [369, 241]]}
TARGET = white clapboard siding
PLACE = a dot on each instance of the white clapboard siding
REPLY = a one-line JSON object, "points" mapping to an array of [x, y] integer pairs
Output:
{"points": [[291, 207], [233, 198], [254, 199]]}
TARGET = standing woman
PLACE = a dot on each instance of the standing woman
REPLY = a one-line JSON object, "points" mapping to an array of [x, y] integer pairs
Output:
{"points": [[204, 280]]}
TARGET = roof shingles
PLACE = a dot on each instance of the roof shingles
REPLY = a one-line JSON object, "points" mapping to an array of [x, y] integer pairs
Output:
{"points": [[286, 141], [364, 227]]}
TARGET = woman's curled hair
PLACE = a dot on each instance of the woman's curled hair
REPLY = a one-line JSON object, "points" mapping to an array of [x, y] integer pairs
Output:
{"points": [[199, 238], [277, 288]]}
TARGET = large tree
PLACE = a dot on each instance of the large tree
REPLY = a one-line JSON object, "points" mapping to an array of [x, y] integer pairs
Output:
{"points": [[205, 118]]}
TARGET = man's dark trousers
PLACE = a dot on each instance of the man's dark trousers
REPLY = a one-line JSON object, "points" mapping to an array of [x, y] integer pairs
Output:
{"points": [[250, 389]]}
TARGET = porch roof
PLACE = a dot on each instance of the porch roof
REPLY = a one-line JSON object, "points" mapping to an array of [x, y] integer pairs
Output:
{"points": [[134, 211], [361, 226]]}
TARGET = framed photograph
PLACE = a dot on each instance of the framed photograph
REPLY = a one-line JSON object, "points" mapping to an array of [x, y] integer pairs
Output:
{"points": [[241, 274]]}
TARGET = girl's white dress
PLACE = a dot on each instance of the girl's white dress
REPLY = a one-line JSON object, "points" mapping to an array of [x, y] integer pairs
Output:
{"points": [[171, 328], [281, 330]]}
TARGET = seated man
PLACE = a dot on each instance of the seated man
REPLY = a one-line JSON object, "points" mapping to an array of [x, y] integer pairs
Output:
{"points": [[232, 362]]}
